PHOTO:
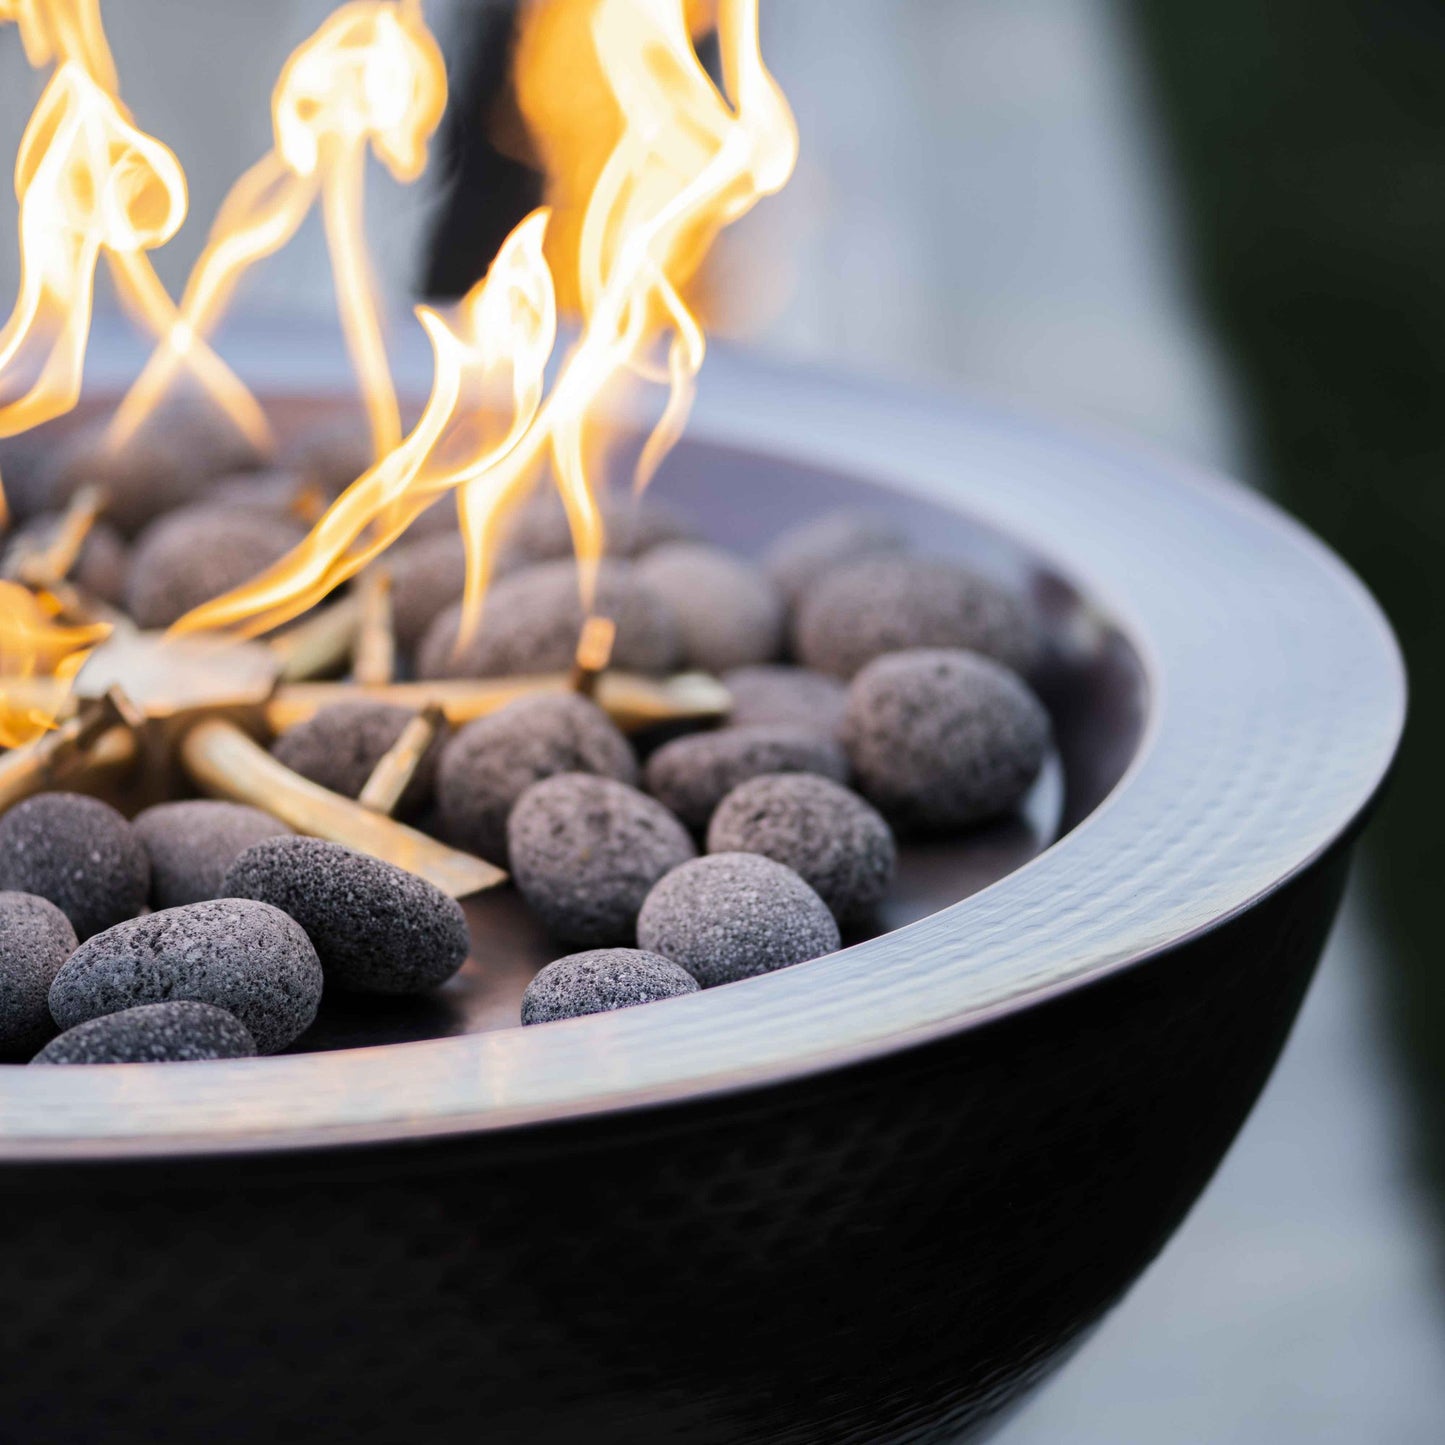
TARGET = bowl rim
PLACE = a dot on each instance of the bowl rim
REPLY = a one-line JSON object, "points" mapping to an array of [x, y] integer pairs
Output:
{"points": [[1276, 699]]}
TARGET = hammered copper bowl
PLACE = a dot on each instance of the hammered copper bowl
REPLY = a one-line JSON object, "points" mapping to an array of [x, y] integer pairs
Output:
{"points": [[872, 1198]]}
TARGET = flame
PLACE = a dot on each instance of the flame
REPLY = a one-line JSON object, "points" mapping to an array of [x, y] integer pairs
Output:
{"points": [[687, 161], [39, 658], [372, 77]]}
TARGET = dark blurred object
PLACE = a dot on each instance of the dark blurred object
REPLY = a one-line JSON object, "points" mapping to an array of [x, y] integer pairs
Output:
{"points": [[1311, 139]]}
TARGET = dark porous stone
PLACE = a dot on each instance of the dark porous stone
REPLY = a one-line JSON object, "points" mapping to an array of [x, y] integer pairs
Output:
{"points": [[377, 928], [80, 854], [539, 532], [834, 841], [600, 981], [692, 775], [941, 739], [331, 457], [888, 604], [191, 846], [727, 612], [245, 957], [427, 574], [733, 915], [100, 568], [35, 940], [532, 620], [179, 1032], [802, 555], [792, 696], [492, 761], [341, 744], [276, 491], [28, 466], [198, 553], [586, 850]]}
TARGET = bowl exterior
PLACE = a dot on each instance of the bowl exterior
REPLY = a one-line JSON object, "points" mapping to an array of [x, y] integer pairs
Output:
{"points": [[889, 1252]]}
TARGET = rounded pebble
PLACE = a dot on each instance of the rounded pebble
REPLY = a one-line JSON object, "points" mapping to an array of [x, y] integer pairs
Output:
{"points": [[691, 775], [192, 844], [377, 928], [533, 618], [734, 915], [728, 613], [245, 957], [540, 532], [493, 760], [35, 940], [332, 456], [803, 554], [178, 1032], [341, 744], [600, 981], [941, 739], [792, 696], [586, 850], [80, 854], [427, 574], [835, 842], [889, 604], [198, 553]]}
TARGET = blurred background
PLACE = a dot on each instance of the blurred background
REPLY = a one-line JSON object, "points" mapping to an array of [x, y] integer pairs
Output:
{"points": [[1218, 227]]}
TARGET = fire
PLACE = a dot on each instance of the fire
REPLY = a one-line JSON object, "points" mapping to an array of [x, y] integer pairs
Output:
{"points": [[371, 78], [39, 658], [688, 160]]}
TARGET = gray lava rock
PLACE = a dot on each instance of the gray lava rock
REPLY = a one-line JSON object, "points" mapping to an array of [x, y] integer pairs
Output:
{"points": [[692, 775], [942, 739], [245, 957], [492, 761], [533, 618], [191, 845], [35, 940], [197, 553], [333, 456], [80, 854], [153, 1033], [600, 981], [100, 569], [789, 696], [834, 841], [888, 604], [802, 555], [585, 851], [539, 532], [728, 613], [377, 928], [277, 491], [340, 745], [733, 915], [427, 574]]}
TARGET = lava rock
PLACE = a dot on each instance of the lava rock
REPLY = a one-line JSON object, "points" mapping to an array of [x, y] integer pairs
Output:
{"points": [[734, 915], [532, 621], [200, 552], [80, 854], [191, 846], [600, 981], [802, 555], [493, 760], [586, 850], [331, 457], [427, 574], [788, 696], [692, 775], [377, 928], [540, 532], [243, 956], [27, 464], [942, 739], [834, 841], [35, 940], [101, 566], [178, 1032], [888, 604], [340, 745], [728, 613], [277, 491]]}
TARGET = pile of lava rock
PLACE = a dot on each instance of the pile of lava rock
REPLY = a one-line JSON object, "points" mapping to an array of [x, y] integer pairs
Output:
{"points": [[877, 692]]}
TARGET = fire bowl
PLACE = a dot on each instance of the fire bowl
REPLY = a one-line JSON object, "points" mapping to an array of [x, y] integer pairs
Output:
{"points": [[875, 1197]]}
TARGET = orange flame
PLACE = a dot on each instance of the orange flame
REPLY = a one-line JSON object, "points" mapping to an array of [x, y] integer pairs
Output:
{"points": [[371, 77], [688, 161], [39, 658]]}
